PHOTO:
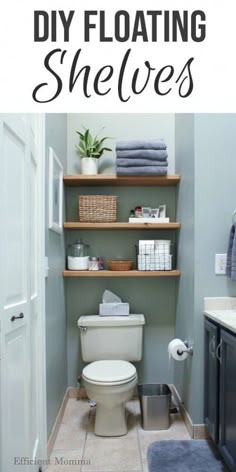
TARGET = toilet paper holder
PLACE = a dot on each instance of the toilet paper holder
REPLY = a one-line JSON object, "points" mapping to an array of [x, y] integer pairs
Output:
{"points": [[189, 349]]}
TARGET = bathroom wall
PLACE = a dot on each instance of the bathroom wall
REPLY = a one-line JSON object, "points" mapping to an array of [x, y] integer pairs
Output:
{"points": [[155, 297], [120, 126], [210, 175], [184, 141], [215, 201], [56, 353], [204, 205], [204, 149]]}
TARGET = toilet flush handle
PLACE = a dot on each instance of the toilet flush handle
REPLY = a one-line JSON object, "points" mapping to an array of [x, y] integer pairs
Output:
{"points": [[83, 328]]}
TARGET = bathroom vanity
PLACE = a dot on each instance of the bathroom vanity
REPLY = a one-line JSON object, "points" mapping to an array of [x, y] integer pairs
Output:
{"points": [[220, 379]]}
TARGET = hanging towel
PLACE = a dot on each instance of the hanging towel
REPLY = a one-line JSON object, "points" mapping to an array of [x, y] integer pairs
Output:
{"points": [[153, 154], [140, 162], [148, 170], [141, 144], [231, 254]]}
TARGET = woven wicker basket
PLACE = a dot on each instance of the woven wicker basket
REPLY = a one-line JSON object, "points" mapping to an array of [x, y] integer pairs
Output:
{"points": [[98, 208], [120, 265]]}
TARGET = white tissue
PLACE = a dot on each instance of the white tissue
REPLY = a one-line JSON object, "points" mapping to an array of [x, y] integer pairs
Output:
{"points": [[110, 297], [112, 305], [175, 347]]}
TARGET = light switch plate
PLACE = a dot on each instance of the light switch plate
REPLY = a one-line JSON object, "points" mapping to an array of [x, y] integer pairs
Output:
{"points": [[220, 264]]}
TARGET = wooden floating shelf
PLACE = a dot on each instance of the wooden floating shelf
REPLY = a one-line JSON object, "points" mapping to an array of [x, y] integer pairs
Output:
{"points": [[79, 180], [116, 226], [121, 273]]}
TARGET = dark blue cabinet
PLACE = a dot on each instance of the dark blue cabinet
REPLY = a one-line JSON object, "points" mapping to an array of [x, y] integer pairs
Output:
{"points": [[227, 430], [220, 390], [211, 404]]}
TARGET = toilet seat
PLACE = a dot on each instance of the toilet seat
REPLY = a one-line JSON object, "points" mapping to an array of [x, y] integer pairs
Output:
{"points": [[113, 372]]}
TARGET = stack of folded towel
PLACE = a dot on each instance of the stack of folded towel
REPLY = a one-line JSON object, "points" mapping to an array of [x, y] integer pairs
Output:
{"points": [[141, 157]]}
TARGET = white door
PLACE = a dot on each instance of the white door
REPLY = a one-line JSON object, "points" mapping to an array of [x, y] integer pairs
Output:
{"points": [[21, 330], [34, 274]]}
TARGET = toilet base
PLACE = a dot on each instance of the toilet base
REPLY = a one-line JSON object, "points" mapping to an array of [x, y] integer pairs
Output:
{"points": [[110, 417], [105, 424]]}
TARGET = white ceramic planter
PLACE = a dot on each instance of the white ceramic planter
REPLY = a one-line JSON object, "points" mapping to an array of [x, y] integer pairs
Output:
{"points": [[89, 165]]}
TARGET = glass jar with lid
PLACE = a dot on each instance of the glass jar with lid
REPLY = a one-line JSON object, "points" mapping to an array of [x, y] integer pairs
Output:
{"points": [[78, 248], [77, 255]]}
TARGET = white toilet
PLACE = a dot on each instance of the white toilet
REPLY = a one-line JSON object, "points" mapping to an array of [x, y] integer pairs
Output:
{"points": [[109, 343]]}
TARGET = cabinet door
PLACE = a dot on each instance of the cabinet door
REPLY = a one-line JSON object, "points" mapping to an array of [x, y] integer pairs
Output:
{"points": [[227, 441], [211, 403]]}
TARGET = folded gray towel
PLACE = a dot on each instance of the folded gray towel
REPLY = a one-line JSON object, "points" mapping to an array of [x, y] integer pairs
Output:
{"points": [[141, 144], [153, 154], [148, 170], [231, 254], [139, 162]]}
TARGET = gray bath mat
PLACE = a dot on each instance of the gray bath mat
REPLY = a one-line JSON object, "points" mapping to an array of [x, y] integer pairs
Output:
{"points": [[184, 456]]}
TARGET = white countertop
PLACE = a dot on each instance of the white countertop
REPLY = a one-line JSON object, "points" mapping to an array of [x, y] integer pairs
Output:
{"points": [[226, 318]]}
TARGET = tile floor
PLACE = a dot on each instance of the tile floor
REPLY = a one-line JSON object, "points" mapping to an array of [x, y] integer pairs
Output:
{"points": [[76, 441]]}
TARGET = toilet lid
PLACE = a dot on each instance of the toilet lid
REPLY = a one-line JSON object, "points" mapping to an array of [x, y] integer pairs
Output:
{"points": [[109, 372]]}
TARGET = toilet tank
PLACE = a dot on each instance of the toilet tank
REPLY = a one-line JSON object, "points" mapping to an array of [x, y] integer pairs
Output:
{"points": [[111, 337]]}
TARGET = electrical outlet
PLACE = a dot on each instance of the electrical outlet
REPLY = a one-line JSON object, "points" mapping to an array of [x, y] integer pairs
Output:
{"points": [[220, 264]]}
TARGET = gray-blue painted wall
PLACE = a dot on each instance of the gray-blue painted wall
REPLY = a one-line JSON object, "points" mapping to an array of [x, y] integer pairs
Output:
{"points": [[205, 150], [207, 162], [155, 297], [120, 126], [184, 155], [215, 201], [56, 349]]}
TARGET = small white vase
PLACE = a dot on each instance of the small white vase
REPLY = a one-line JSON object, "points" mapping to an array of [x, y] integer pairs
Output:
{"points": [[89, 165]]}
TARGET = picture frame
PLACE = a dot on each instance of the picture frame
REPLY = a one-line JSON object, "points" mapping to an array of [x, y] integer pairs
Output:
{"points": [[162, 211], [55, 192]]}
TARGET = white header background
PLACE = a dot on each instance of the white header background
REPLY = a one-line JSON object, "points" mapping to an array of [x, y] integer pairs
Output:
{"points": [[22, 60]]}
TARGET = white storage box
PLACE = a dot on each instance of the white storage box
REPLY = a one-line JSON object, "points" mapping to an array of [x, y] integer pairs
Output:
{"points": [[113, 309], [148, 220], [154, 246], [162, 246]]}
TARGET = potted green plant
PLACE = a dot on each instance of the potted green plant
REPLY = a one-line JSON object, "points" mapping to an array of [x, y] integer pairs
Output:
{"points": [[90, 149]]}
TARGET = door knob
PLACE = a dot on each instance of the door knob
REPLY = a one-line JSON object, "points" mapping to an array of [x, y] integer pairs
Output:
{"points": [[21, 315]]}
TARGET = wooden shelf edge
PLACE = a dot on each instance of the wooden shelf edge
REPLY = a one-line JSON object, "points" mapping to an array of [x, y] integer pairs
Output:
{"points": [[113, 180], [116, 226], [121, 273]]}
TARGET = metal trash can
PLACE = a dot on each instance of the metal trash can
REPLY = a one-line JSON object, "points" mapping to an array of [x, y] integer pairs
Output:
{"points": [[155, 401]]}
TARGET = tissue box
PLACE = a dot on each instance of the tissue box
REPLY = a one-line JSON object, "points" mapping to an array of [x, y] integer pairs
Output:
{"points": [[113, 309]]}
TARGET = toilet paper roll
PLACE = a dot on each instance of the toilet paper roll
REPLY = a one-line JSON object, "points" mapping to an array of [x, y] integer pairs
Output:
{"points": [[175, 347]]}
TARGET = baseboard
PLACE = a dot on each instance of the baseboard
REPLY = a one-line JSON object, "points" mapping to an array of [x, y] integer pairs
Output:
{"points": [[55, 429], [183, 411], [196, 431], [200, 431], [79, 393]]}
